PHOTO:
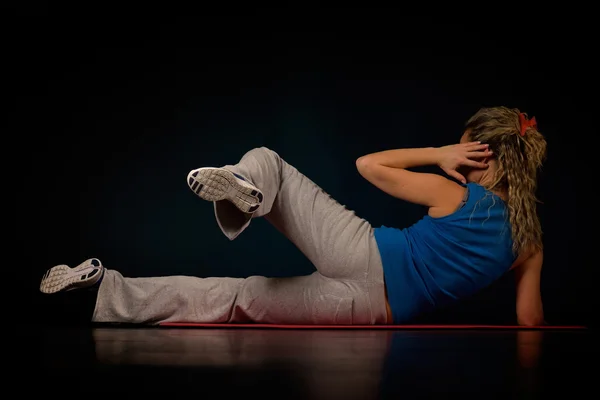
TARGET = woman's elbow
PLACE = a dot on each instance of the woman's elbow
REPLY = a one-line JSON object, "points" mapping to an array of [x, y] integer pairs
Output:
{"points": [[360, 161], [363, 163], [530, 320]]}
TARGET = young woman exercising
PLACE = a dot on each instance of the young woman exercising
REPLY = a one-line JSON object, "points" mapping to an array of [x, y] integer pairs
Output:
{"points": [[477, 228]]}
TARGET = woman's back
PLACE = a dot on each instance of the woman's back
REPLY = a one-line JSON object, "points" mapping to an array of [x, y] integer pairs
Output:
{"points": [[451, 254], [441, 260]]}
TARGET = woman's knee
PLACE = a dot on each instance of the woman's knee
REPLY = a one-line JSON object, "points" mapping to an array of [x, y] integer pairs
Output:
{"points": [[263, 154]]}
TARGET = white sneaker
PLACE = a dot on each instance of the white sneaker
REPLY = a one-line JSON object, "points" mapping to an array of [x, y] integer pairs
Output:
{"points": [[63, 278], [215, 184]]}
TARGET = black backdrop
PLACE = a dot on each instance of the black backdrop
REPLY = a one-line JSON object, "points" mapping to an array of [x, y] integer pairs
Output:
{"points": [[113, 111]]}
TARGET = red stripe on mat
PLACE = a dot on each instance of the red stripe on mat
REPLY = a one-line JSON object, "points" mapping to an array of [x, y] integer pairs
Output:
{"points": [[404, 327]]}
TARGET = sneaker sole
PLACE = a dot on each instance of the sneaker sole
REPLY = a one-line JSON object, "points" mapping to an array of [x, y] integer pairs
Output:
{"points": [[63, 278], [215, 184]]}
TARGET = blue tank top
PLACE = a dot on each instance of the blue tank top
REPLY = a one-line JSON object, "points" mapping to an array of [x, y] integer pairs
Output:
{"points": [[437, 261]]}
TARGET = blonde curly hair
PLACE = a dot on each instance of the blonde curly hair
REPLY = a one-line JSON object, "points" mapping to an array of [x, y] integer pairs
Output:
{"points": [[519, 158]]}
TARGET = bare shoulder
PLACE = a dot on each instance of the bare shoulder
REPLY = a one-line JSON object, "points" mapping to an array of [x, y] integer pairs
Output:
{"points": [[450, 196]]}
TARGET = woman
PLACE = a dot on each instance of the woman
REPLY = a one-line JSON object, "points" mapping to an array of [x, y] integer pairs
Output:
{"points": [[475, 231]]}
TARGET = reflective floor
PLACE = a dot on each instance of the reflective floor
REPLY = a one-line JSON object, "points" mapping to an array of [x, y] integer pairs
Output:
{"points": [[317, 364]]}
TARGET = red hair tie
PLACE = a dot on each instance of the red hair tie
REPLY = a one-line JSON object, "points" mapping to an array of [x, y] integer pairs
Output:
{"points": [[526, 123]]}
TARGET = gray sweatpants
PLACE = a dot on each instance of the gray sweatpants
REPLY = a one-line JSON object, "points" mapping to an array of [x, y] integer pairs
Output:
{"points": [[347, 288]]}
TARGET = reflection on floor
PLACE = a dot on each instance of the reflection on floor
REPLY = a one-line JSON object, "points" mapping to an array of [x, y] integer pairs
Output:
{"points": [[316, 364]]}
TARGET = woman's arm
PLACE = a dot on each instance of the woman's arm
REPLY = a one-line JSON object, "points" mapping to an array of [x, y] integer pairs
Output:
{"points": [[530, 311], [388, 170], [404, 158]]}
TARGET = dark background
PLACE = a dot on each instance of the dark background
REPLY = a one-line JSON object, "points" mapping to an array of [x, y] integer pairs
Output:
{"points": [[112, 110]]}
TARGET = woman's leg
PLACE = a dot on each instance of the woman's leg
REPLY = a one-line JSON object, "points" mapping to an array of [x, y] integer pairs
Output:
{"points": [[311, 299], [339, 244]]}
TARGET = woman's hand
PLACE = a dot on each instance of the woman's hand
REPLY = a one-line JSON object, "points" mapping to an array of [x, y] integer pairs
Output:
{"points": [[452, 157]]}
